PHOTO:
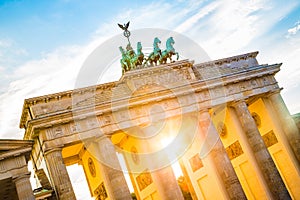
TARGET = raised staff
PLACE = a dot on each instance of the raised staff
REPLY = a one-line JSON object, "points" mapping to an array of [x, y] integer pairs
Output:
{"points": [[126, 32]]}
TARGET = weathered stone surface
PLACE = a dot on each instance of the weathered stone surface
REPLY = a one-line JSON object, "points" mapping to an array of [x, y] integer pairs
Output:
{"points": [[261, 153], [59, 174], [215, 149]]}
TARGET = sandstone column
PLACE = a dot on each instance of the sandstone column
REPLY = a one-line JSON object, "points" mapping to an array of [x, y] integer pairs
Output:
{"points": [[23, 187], [59, 174], [188, 180], [214, 148], [261, 153], [166, 183], [287, 123], [162, 175], [113, 176]]}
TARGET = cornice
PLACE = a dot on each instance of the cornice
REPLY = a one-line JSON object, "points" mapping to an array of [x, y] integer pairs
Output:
{"points": [[16, 152], [229, 59], [100, 107], [9, 144]]}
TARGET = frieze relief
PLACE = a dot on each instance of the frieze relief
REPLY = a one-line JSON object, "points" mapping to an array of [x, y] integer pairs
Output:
{"points": [[12, 163], [217, 92], [165, 78], [225, 67], [51, 107], [62, 130], [140, 114]]}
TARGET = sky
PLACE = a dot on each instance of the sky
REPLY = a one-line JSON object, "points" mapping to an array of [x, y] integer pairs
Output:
{"points": [[43, 44]]}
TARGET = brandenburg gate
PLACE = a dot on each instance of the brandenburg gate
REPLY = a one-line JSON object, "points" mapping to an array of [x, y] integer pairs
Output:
{"points": [[224, 122]]}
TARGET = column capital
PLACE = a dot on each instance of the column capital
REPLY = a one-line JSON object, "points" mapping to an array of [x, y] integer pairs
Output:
{"points": [[237, 102], [59, 174], [17, 178], [50, 150], [274, 92], [23, 186], [110, 167], [205, 110]]}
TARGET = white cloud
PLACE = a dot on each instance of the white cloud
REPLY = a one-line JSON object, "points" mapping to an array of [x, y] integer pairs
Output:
{"points": [[5, 43], [236, 27], [222, 28], [55, 72], [294, 30], [191, 21]]}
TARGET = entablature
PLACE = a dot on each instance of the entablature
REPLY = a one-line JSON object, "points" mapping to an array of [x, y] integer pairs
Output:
{"points": [[188, 94]]}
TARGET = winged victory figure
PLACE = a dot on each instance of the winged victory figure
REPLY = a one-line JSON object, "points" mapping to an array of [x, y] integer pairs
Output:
{"points": [[125, 26]]}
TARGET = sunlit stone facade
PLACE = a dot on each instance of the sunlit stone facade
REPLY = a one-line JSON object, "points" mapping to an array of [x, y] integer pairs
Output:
{"points": [[224, 121]]}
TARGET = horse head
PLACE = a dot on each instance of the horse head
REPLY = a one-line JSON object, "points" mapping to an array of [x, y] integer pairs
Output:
{"points": [[170, 42], [139, 46], [156, 42], [122, 50]]}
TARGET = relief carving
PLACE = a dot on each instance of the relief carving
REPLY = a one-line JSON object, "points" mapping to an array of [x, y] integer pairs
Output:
{"points": [[254, 83], [144, 180], [234, 150], [58, 132], [101, 193], [257, 119], [54, 132], [92, 167], [92, 123], [107, 119], [196, 162], [269, 139], [74, 128], [230, 89], [222, 129]]}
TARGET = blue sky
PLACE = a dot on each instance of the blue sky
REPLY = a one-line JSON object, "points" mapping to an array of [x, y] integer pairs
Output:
{"points": [[44, 43]]}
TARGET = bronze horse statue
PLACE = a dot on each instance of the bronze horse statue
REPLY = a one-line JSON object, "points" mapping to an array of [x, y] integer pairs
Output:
{"points": [[169, 52]]}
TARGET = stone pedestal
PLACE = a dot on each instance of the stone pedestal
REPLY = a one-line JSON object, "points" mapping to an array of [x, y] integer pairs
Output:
{"points": [[213, 147], [287, 123], [23, 187], [59, 174], [261, 153], [114, 179]]}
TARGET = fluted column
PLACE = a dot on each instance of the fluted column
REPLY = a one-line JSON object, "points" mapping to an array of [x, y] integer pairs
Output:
{"points": [[261, 153], [214, 148], [287, 123], [113, 176], [166, 183], [162, 174], [59, 174], [23, 187]]}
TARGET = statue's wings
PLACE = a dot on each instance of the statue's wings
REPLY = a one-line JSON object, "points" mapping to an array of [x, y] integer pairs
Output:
{"points": [[127, 25], [121, 26]]}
